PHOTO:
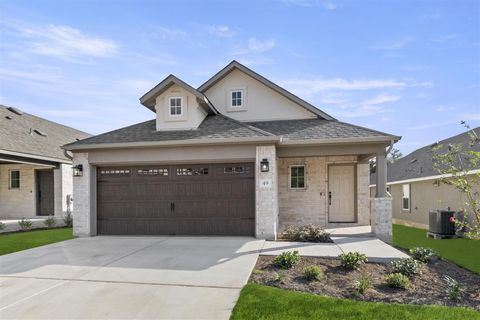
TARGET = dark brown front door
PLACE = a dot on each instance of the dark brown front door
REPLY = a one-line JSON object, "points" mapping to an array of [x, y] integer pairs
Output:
{"points": [[211, 199], [45, 192]]}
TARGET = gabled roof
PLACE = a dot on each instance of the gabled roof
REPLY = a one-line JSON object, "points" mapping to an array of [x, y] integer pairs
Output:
{"points": [[148, 99], [318, 130], [419, 163], [236, 65], [214, 129], [30, 136]]}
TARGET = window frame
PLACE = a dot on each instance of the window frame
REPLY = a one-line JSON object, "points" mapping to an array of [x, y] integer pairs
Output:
{"points": [[170, 106], [408, 197], [242, 99], [290, 177], [10, 180]]}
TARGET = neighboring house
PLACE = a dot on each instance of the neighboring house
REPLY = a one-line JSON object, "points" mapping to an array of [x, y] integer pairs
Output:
{"points": [[35, 173], [237, 156], [415, 185]]}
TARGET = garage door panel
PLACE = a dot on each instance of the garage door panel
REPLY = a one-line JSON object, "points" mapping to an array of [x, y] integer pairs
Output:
{"points": [[214, 199]]}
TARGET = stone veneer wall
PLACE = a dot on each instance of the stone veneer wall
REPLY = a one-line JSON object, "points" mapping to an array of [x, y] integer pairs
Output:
{"points": [[84, 219], [309, 205], [381, 210], [266, 194], [63, 186]]}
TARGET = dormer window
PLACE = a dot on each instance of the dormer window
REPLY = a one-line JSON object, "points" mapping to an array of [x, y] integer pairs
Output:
{"points": [[176, 105], [236, 98]]}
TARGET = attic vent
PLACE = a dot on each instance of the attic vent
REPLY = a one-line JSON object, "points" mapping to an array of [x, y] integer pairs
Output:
{"points": [[413, 160], [15, 110], [40, 133]]}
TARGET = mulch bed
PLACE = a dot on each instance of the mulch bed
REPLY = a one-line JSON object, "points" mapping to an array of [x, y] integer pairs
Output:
{"points": [[427, 287]]}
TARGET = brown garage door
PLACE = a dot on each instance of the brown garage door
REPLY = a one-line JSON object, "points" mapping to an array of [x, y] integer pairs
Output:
{"points": [[212, 199]]}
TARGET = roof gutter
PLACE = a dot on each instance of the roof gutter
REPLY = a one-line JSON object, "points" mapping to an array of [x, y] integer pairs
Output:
{"points": [[173, 143], [440, 176], [33, 156], [287, 142]]}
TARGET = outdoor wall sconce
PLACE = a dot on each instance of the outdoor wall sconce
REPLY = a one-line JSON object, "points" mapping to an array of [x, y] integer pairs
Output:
{"points": [[78, 170], [264, 167]]}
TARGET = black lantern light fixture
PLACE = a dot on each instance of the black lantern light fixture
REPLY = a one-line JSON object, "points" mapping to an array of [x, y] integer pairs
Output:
{"points": [[78, 170], [264, 166]]}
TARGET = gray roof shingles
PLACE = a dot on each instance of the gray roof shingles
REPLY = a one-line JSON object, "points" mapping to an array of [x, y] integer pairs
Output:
{"points": [[17, 135], [419, 163]]}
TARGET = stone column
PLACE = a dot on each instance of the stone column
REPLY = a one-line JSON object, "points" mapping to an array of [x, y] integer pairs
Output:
{"points": [[83, 206], [62, 180], [381, 173], [266, 191], [381, 205]]}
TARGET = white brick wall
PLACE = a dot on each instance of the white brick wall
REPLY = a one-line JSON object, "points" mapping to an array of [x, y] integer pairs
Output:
{"points": [[63, 184], [266, 194], [382, 218], [83, 224]]}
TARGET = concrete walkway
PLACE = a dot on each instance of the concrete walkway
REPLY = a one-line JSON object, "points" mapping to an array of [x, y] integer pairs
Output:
{"points": [[375, 249], [127, 278]]}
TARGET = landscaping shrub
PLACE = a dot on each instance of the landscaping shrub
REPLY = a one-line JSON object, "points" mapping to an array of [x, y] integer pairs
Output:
{"points": [[2, 226], [279, 276], [407, 266], [313, 273], [422, 254], [25, 224], [362, 284], [454, 289], [398, 280], [352, 260], [50, 222], [68, 219], [287, 259], [308, 233]]}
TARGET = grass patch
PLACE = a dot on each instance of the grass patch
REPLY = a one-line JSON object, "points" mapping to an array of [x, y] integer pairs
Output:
{"points": [[18, 241], [262, 302], [463, 252]]}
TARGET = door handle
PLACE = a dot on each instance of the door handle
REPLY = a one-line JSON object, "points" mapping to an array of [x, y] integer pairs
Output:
{"points": [[172, 206], [329, 198]]}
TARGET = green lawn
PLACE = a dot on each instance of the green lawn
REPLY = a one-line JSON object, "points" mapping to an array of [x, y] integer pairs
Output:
{"points": [[18, 241], [464, 252], [262, 302]]}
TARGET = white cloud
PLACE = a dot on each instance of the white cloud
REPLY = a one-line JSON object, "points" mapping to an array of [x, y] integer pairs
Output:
{"points": [[381, 99], [445, 38], [255, 60], [221, 31], [327, 4], [168, 33], [444, 108], [255, 45], [395, 45], [64, 41]]}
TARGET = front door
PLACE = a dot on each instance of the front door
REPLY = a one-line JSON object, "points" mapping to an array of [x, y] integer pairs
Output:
{"points": [[341, 193], [45, 192]]}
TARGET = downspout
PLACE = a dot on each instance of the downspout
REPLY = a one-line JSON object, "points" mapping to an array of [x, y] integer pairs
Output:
{"points": [[65, 153]]}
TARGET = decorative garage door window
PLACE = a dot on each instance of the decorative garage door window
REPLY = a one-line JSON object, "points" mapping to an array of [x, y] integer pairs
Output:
{"points": [[153, 172], [236, 170], [192, 171], [115, 172]]}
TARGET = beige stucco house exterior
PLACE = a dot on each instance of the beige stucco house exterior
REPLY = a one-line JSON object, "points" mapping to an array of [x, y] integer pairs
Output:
{"points": [[416, 187], [35, 173], [237, 156]]}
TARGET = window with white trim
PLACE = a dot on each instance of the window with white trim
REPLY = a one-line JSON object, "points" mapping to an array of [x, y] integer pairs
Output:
{"points": [[14, 181], [297, 177], [406, 197], [236, 98], [176, 104]]}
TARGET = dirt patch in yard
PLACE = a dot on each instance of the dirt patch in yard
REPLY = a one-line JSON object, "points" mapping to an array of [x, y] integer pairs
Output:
{"points": [[426, 288]]}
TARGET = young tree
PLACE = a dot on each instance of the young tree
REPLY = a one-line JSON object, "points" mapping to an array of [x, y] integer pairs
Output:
{"points": [[394, 155], [455, 163]]}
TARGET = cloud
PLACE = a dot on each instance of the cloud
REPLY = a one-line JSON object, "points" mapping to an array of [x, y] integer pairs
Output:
{"points": [[63, 41], [381, 99], [164, 33], [221, 31], [327, 4], [255, 60], [395, 45], [444, 108], [445, 38], [255, 45]]}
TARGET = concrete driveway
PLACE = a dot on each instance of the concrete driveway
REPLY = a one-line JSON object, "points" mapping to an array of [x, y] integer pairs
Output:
{"points": [[127, 278]]}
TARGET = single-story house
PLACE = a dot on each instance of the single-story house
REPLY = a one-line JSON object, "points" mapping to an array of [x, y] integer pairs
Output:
{"points": [[238, 155], [416, 187], [35, 173]]}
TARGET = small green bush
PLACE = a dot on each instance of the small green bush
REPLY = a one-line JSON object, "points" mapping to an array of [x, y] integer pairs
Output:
{"points": [[352, 260], [407, 266], [308, 233], [362, 284], [422, 254], [454, 289], [398, 280], [2, 225], [287, 259], [313, 273], [50, 222], [68, 219], [25, 224], [279, 276]]}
